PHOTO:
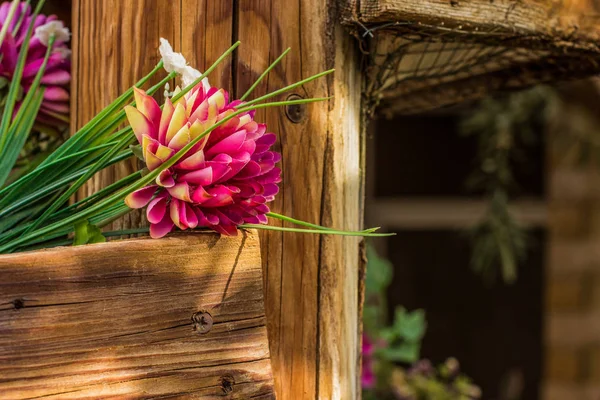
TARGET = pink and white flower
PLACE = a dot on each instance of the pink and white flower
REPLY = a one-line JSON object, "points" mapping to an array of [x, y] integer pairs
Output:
{"points": [[224, 181], [55, 106]]}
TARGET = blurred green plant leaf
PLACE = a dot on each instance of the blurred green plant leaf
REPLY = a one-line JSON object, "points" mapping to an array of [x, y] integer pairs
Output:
{"points": [[410, 326], [87, 233], [404, 352], [137, 151], [379, 272]]}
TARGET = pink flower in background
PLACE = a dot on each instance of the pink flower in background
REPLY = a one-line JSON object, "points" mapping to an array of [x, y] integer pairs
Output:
{"points": [[55, 106], [223, 181], [368, 378]]}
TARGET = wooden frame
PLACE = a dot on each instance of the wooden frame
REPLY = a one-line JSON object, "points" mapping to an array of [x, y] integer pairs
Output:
{"points": [[568, 22], [180, 316], [428, 54]]}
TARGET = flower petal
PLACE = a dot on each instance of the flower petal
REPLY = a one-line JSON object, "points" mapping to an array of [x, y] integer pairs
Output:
{"points": [[229, 145], [147, 106], [270, 189], [56, 93], [265, 142], [156, 209], [200, 195], [222, 196], [152, 162], [162, 228], [193, 162], [165, 179], [219, 99], [149, 145], [202, 177], [58, 77], [140, 197], [203, 220], [165, 119], [177, 121], [164, 153], [273, 176], [181, 138], [174, 213], [139, 123], [187, 216], [181, 191], [251, 170]]}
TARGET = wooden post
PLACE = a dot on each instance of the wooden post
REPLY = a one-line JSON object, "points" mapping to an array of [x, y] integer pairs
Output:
{"points": [[311, 282]]}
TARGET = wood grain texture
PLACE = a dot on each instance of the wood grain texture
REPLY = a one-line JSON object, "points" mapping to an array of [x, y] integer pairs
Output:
{"points": [[114, 321], [311, 282], [206, 32], [572, 19]]}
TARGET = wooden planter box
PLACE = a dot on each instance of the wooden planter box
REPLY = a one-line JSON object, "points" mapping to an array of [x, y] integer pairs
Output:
{"points": [[180, 316]]}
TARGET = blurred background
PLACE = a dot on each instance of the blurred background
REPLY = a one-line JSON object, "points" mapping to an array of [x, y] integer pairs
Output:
{"points": [[497, 208]]}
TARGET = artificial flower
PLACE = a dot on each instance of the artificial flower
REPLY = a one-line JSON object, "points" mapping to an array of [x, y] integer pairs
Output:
{"points": [[225, 180], [55, 106]]}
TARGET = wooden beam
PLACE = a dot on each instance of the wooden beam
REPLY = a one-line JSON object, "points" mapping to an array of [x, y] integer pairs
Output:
{"points": [[311, 281], [429, 54], [571, 19], [177, 317], [439, 213]]}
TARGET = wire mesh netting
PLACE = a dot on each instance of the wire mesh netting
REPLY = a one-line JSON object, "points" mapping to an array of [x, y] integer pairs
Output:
{"points": [[414, 67]]}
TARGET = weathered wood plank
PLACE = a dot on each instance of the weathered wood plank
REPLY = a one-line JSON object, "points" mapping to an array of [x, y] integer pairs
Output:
{"points": [[311, 282], [116, 320], [563, 18]]}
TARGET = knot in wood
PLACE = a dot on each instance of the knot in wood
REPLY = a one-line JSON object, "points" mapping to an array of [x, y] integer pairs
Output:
{"points": [[18, 304], [202, 321], [227, 383], [295, 112]]}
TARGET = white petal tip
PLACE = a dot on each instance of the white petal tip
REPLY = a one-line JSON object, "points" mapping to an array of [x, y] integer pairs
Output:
{"points": [[171, 61], [56, 28]]}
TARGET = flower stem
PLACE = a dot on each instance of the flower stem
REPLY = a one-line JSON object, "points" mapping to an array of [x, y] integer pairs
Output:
{"points": [[287, 88], [316, 231], [9, 17], [308, 224], [264, 74]]}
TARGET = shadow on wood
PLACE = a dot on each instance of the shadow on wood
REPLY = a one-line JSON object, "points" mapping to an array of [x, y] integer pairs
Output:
{"points": [[180, 316]]}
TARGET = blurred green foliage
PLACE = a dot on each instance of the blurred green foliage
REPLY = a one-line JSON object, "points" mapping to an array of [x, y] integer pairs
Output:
{"points": [[395, 352], [504, 128]]}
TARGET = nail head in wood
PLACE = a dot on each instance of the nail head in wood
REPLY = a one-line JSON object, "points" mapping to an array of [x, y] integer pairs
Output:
{"points": [[227, 383], [203, 322], [295, 112]]}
